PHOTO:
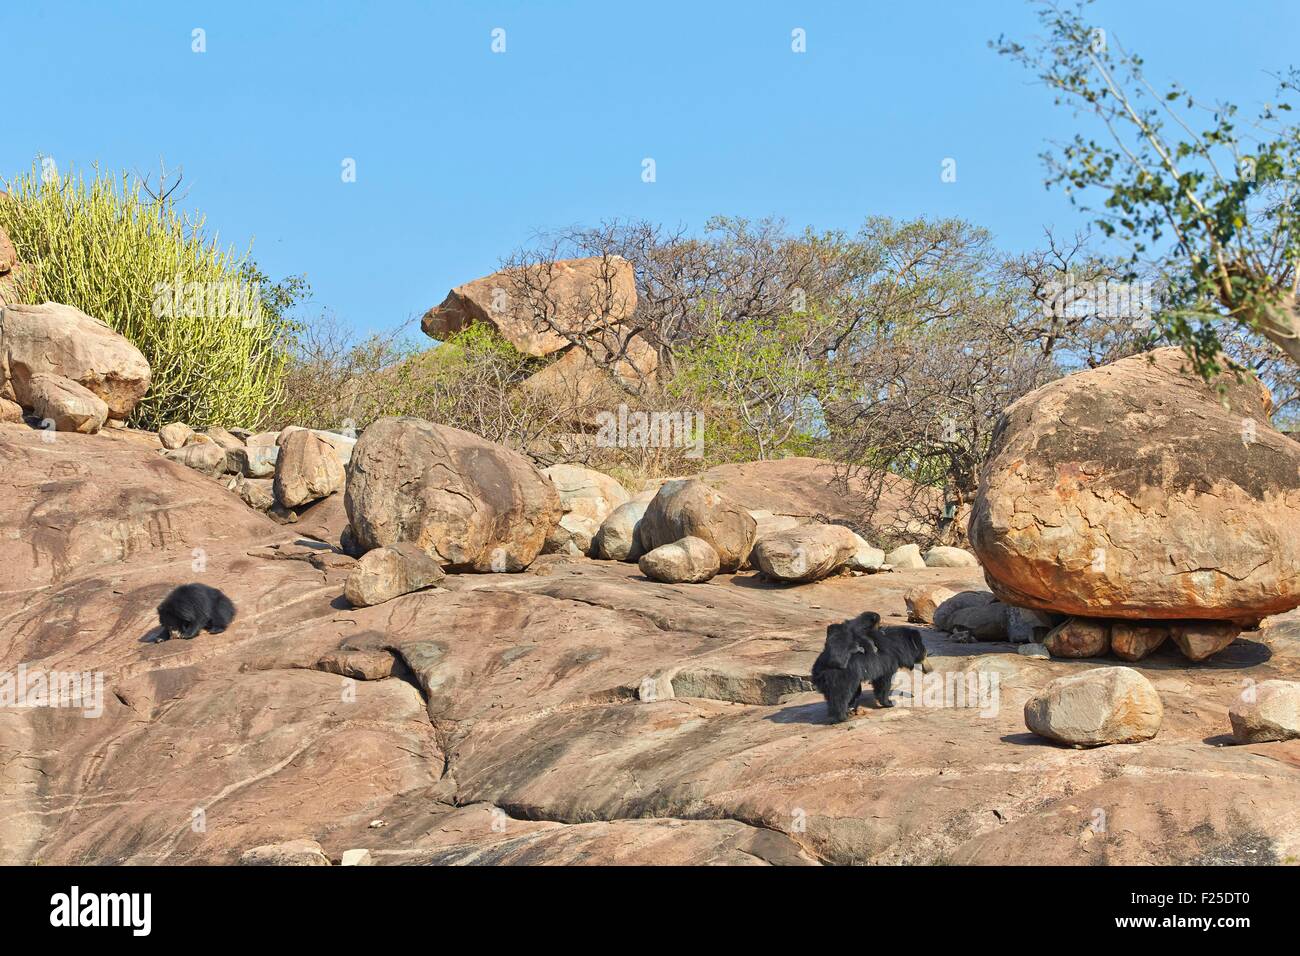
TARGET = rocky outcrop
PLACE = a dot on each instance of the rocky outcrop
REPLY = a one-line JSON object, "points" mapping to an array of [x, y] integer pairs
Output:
{"points": [[688, 561], [1106, 705], [60, 340], [572, 296], [689, 508], [809, 552], [386, 573], [1137, 491], [577, 713], [472, 505]]}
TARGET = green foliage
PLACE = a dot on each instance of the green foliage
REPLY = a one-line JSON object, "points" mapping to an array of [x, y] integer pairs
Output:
{"points": [[207, 321], [1214, 201], [762, 380]]}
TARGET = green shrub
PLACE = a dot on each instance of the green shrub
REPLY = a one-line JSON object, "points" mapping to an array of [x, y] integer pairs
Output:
{"points": [[202, 315]]}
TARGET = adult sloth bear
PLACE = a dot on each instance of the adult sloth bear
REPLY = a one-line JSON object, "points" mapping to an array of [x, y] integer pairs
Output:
{"points": [[861, 650], [191, 608]]}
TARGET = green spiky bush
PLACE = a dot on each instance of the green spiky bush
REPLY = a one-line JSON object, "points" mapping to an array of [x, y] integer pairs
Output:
{"points": [[107, 247]]}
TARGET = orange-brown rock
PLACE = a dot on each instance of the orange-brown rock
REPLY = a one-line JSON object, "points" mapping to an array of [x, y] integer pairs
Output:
{"points": [[1138, 491], [538, 311]]}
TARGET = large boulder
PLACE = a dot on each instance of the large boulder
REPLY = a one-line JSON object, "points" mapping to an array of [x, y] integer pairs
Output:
{"points": [[62, 402], [572, 295], [688, 561], [617, 539], [809, 552], [61, 340], [1105, 705], [1138, 491], [386, 573], [306, 469], [471, 504], [689, 508]]}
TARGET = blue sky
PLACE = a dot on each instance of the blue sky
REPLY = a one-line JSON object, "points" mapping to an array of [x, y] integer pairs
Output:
{"points": [[461, 153]]}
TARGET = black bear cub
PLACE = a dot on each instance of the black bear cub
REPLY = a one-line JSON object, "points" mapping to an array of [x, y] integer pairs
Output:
{"points": [[861, 650], [191, 608]]}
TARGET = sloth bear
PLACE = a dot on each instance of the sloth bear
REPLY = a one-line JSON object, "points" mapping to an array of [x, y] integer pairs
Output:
{"points": [[858, 650], [191, 608]]}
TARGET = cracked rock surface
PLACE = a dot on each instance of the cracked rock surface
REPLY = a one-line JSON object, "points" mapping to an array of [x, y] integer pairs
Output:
{"points": [[573, 713]]}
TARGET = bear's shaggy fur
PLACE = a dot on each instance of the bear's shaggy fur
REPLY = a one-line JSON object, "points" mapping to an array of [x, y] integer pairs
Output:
{"points": [[860, 650], [191, 608]]}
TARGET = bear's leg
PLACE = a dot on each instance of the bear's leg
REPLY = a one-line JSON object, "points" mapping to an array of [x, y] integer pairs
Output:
{"points": [[881, 686]]}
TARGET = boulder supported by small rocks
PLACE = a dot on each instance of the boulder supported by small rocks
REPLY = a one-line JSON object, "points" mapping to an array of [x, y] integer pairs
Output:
{"points": [[809, 552], [386, 573], [617, 539], [1138, 491], [61, 401], [289, 853], [60, 340], [905, 558], [1105, 705], [307, 469], [689, 508], [1269, 710], [688, 561], [471, 504]]}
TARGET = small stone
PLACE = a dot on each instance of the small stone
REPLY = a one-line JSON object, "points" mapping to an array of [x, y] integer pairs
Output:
{"points": [[1269, 710]]}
